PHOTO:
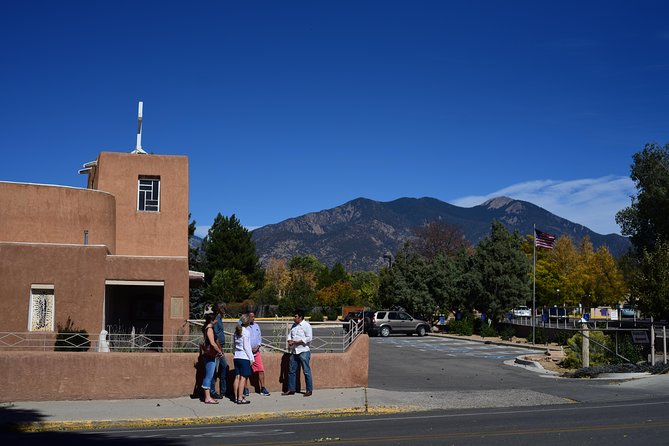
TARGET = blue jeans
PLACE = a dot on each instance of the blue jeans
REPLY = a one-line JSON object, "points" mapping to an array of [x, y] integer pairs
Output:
{"points": [[221, 371], [303, 359], [209, 369]]}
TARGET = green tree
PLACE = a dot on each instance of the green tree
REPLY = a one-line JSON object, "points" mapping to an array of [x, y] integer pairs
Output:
{"points": [[650, 284], [645, 221], [447, 281], [307, 264], [405, 284], [300, 294], [229, 285], [230, 252], [500, 272], [367, 284], [197, 300], [327, 277]]}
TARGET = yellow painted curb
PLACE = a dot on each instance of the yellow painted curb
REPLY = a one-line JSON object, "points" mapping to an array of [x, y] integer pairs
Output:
{"points": [[45, 426]]}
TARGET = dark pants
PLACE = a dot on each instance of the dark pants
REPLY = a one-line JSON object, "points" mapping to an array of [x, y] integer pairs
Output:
{"points": [[221, 373]]}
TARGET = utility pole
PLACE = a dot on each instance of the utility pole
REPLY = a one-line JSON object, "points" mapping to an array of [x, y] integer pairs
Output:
{"points": [[585, 345]]}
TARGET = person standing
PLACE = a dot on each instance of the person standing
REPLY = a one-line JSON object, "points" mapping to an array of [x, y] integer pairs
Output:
{"points": [[243, 359], [221, 371], [299, 338], [257, 367], [209, 363]]}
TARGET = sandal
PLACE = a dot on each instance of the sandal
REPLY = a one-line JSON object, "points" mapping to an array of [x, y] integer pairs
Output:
{"points": [[243, 401], [211, 402]]}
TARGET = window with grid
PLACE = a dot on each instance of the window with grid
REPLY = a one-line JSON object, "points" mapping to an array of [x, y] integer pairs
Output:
{"points": [[148, 194], [41, 309]]}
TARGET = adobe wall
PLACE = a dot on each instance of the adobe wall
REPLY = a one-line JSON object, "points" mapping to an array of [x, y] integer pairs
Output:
{"points": [[77, 273], [163, 233], [57, 376], [56, 214]]}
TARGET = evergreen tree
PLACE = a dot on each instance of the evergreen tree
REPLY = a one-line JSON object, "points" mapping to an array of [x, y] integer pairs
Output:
{"points": [[230, 252], [405, 284], [500, 273], [447, 281]]}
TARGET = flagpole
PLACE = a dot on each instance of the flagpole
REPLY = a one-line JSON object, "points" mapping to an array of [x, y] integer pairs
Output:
{"points": [[534, 280]]}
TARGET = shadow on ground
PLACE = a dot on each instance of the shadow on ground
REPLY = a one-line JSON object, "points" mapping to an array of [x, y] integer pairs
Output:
{"points": [[12, 420]]}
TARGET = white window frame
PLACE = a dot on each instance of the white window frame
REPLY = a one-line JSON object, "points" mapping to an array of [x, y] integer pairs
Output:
{"points": [[37, 290], [139, 184]]}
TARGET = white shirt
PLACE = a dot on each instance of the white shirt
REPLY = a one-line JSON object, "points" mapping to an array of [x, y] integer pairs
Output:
{"points": [[243, 345], [301, 332]]}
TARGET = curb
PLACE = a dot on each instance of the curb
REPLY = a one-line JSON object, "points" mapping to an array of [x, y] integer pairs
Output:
{"points": [[61, 426], [529, 363]]}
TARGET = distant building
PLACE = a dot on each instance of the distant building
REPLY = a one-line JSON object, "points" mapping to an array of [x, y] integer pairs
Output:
{"points": [[112, 255]]}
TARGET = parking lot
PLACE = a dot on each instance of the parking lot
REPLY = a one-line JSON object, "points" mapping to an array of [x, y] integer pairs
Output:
{"points": [[453, 348]]}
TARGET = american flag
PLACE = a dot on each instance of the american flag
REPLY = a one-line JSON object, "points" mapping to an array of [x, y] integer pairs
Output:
{"points": [[543, 239]]}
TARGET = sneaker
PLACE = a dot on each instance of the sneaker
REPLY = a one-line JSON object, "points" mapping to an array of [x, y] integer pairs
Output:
{"points": [[216, 396], [246, 391], [264, 392]]}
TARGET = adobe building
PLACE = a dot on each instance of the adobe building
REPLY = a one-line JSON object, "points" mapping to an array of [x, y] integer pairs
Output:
{"points": [[112, 255]]}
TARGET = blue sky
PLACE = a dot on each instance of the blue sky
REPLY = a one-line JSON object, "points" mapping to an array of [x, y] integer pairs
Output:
{"points": [[290, 107]]}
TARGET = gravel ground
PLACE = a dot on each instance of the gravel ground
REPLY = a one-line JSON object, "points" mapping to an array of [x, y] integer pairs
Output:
{"points": [[593, 372]]}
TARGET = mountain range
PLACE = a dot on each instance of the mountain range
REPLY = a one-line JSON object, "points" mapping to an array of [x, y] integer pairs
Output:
{"points": [[358, 234]]}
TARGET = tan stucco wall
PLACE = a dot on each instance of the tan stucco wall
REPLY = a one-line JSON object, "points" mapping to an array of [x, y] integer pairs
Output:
{"points": [[54, 376], [77, 273], [163, 233], [56, 214], [172, 270]]}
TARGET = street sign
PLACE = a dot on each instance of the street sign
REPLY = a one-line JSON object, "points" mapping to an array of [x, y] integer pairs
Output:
{"points": [[640, 337]]}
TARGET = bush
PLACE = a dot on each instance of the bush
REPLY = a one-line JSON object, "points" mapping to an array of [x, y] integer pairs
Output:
{"points": [[540, 336], [464, 327], [508, 332], [487, 331], [71, 339], [316, 316], [629, 350], [562, 337], [598, 354], [333, 314]]}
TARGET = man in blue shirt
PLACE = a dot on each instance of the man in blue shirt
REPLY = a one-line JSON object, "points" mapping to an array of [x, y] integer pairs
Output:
{"points": [[221, 371]]}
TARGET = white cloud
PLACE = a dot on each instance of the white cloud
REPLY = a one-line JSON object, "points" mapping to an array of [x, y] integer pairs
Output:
{"points": [[592, 202]]}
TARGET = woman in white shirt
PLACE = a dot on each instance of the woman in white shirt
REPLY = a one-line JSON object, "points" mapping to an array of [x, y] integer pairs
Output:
{"points": [[243, 359]]}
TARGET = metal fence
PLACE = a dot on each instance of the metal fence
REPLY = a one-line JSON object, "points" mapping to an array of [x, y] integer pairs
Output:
{"points": [[327, 337], [652, 336]]}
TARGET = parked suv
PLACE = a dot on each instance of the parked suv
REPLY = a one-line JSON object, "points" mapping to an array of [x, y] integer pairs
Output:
{"points": [[391, 321], [521, 311], [366, 316]]}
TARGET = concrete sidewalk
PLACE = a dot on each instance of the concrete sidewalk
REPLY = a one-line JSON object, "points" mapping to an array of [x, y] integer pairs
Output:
{"points": [[83, 415], [70, 415]]}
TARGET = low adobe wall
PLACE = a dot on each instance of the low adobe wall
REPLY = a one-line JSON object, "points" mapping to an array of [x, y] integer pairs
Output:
{"points": [[57, 376]]}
